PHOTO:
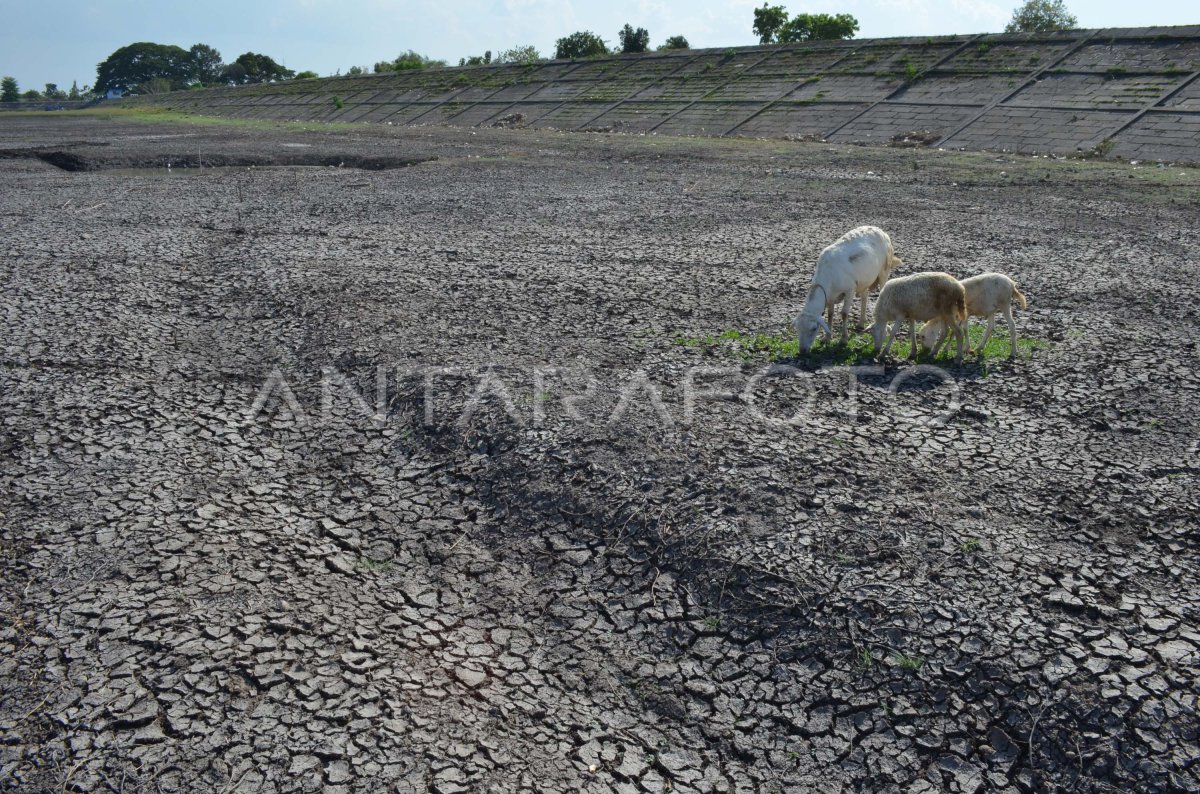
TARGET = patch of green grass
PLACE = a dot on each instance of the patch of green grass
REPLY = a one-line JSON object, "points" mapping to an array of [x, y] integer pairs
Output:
{"points": [[368, 564], [998, 347], [712, 623], [338, 102], [746, 346], [864, 660], [844, 559], [906, 662], [969, 545], [156, 115], [769, 347]]}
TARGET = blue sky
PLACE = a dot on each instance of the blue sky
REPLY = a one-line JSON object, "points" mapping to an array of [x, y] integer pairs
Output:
{"points": [[62, 40]]}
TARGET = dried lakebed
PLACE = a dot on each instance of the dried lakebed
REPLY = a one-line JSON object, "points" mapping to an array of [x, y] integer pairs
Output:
{"points": [[351, 480]]}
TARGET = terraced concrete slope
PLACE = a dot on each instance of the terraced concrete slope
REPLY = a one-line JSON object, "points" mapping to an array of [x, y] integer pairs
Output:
{"points": [[1129, 93]]}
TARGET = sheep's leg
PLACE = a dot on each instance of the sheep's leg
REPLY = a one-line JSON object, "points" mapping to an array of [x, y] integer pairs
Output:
{"points": [[912, 337], [1012, 332], [987, 334], [960, 332], [846, 319], [829, 319], [862, 312]]}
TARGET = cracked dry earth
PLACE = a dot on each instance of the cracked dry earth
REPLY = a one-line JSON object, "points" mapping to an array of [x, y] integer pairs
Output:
{"points": [[529, 570]]}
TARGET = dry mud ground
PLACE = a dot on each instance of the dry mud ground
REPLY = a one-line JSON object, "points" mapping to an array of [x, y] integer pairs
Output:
{"points": [[530, 570]]}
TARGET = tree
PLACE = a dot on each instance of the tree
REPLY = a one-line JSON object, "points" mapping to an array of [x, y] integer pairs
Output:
{"points": [[53, 92], [408, 60], [808, 27], [526, 54], [134, 64], [74, 92], [232, 74], [476, 60], [307, 74], [583, 44], [257, 68], [354, 71], [768, 21], [9, 90], [634, 40], [159, 85], [1041, 16], [675, 43], [206, 64], [31, 95]]}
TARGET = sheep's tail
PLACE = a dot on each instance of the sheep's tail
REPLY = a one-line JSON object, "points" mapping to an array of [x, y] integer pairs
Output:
{"points": [[1020, 298], [893, 261]]}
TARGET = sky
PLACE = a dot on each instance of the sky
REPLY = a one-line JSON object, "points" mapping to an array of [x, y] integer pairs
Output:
{"points": [[58, 41]]}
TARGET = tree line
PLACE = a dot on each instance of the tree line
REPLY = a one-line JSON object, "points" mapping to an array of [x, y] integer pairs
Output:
{"points": [[148, 68]]}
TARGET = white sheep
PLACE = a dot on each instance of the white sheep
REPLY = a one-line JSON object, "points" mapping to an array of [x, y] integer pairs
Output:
{"points": [[919, 298], [861, 260], [987, 295]]}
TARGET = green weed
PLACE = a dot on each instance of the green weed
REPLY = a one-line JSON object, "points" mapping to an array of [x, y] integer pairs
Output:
{"points": [[368, 564], [906, 662]]}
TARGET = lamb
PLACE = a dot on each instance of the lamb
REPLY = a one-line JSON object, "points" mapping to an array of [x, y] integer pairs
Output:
{"points": [[861, 260], [987, 294], [919, 298]]}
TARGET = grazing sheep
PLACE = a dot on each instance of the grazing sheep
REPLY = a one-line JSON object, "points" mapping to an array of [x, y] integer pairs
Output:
{"points": [[919, 298], [987, 295], [861, 260]]}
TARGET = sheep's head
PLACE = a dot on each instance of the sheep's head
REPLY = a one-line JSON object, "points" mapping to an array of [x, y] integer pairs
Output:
{"points": [[930, 332], [878, 331], [807, 326]]}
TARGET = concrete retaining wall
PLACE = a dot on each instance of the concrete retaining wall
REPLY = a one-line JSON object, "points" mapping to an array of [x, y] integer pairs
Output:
{"points": [[1132, 93]]}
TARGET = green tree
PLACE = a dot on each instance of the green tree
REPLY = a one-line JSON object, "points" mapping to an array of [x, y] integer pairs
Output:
{"points": [[408, 60], [476, 60], [307, 74], [31, 95], [768, 21], [808, 27], [525, 54], [206, 64], [354, 71], [74, 92], [9, 90], [54, 92], [159, 85], [634, 40], [233, 74], [583, 44], [1041, 16], [675, 43], [134, 64], [257, 68]]}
